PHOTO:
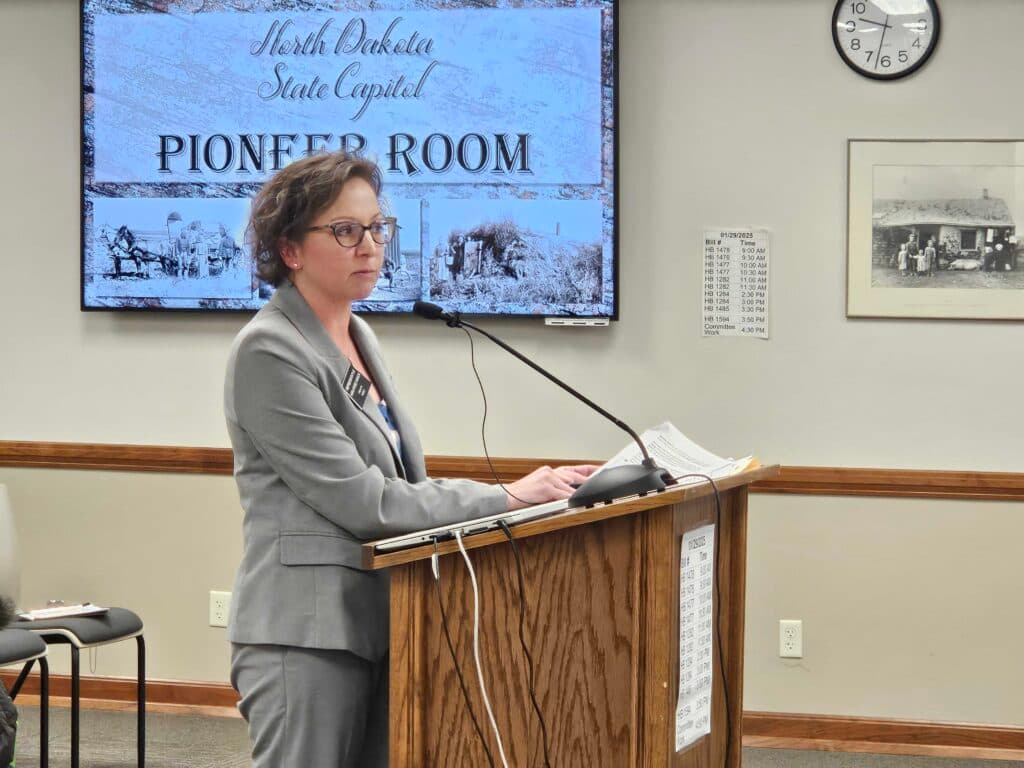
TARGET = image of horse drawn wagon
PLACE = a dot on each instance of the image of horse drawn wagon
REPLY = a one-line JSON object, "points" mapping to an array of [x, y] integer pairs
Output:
{"points": [[180, 250]]}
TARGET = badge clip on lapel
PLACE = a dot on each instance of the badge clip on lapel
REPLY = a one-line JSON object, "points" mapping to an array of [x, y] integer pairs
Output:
{"points": [[356, 385]]}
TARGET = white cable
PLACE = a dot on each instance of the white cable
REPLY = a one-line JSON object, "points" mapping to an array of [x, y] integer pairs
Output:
{"points": [[476, 647]]}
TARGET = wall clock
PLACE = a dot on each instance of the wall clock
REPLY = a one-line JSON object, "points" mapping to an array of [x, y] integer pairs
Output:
{"points": [[885, 39]]}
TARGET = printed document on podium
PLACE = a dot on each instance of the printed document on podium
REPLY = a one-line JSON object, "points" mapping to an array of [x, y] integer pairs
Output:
{"points": [[675, 452], [696, 610]]}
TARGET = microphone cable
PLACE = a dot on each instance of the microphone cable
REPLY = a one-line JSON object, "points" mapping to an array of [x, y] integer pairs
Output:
{"points": [[483, 423], [522, 639], [476, 646], [718, 601], [435, 567]]}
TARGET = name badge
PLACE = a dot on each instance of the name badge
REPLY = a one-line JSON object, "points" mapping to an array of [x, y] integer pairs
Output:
{"points": [[356, 385]]}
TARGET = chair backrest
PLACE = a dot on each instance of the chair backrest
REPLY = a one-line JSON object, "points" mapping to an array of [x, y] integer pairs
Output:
{"points": [[10, 573]]}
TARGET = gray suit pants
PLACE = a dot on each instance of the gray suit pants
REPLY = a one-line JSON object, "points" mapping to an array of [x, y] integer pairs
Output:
{"points": [[311, 708]]}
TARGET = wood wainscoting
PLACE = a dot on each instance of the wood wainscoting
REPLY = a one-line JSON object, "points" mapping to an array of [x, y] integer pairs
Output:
{"points": [[882, 736], [770, 730], [761, 729], [815, 481], [169, 694]]}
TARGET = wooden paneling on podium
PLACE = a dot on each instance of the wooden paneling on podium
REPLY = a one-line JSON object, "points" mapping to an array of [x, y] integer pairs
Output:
{"points": [[602, 626]]}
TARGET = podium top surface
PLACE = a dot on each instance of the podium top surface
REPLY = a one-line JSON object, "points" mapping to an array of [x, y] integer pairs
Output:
{"points": [[373, 560]]}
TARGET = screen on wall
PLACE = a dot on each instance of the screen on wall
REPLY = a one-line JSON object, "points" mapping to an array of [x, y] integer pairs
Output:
{"points": [[493, 123]]}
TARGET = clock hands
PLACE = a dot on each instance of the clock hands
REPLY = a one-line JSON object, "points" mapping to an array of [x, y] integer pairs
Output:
{"points": [[881, 42], [884, 24]]}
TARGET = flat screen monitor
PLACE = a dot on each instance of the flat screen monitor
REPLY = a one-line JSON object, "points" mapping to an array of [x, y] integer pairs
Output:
{"points": [[493, 123]]}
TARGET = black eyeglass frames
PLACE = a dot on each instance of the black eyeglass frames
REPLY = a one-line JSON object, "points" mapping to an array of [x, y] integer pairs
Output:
{"points": [[351, 233]]}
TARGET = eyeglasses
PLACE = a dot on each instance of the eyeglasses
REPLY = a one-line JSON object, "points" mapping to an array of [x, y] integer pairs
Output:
{"points": [[351, 233]]}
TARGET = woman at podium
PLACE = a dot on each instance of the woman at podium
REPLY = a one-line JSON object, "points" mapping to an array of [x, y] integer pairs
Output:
{"points": [[326, 457]]}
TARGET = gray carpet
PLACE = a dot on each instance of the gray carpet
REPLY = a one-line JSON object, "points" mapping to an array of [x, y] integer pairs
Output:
{"points": [[187, 741], [108, 740]]}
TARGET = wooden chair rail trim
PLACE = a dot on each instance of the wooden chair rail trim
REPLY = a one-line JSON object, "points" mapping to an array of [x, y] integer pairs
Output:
{"points": [[131, 458], [760, 729], [856, 734], [123, 689], [817, 481]]}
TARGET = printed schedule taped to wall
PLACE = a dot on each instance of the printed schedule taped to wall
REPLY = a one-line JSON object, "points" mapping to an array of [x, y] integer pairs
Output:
{"points": [[696, 611], [736, 283]]}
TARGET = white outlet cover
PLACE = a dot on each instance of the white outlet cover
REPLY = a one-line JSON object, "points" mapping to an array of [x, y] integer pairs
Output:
{"points": [[220, 608], [791, 638]]}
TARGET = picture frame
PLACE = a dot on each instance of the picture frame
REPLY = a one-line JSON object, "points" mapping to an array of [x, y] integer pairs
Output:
{"points": [[932, 228]]}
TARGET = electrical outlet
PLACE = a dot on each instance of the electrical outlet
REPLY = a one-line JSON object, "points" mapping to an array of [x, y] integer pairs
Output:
{"points": [[220, 607], [791, 638]]}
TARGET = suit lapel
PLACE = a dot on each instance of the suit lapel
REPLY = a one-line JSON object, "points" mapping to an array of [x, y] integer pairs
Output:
{"points": [[409, 442], [288, 299]]}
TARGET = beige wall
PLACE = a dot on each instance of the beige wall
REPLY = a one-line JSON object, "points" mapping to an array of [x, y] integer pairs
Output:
{"points": [[155, 543], [824, 390], [911, 608]]}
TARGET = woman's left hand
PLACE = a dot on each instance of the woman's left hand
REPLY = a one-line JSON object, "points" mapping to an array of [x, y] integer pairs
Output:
{"points": [[576, 474], [547, 484]]}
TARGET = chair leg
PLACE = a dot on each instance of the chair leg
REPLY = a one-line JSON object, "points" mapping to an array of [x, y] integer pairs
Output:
{"points": [[142, 701], [21, 678], [44, 713], [75, 701]]}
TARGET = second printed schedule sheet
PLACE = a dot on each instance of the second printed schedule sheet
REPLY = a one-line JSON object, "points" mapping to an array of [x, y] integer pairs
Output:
{"points": [[736, 271]]}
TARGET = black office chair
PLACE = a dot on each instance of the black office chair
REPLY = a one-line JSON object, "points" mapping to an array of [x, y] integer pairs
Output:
{"points": [[20, 647], [89, 632]]}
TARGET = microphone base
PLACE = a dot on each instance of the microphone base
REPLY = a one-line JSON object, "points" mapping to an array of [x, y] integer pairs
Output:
{"points": [[614, 483]]}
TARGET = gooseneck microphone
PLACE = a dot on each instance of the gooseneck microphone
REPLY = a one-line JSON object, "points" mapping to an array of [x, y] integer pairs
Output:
{"points": [[605, 486], [434, 312]]}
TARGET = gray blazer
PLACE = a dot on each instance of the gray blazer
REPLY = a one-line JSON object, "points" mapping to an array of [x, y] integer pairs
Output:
{"points": [[317, 475]]}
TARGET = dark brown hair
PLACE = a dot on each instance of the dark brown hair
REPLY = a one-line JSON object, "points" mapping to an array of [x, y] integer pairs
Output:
{"points": [[287, 204]]}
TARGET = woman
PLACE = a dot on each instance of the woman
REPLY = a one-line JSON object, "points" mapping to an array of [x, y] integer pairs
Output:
{"points": [[326, 457]]}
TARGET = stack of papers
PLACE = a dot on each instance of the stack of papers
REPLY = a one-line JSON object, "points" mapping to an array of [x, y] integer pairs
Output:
{"points": [[62, 612], [679, 455]]}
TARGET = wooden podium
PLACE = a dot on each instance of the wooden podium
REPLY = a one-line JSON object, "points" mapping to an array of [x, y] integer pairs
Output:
{"points": [[602, 626]]}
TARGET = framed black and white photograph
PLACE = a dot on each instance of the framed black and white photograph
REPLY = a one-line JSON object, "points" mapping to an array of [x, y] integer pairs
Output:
{"points": [[933, 229]]}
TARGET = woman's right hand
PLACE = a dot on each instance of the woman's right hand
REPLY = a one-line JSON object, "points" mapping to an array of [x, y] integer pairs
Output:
{"points": [[546, 484]]}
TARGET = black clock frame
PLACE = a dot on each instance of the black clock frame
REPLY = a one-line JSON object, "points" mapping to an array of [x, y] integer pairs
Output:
{"points": [[899, 75]]}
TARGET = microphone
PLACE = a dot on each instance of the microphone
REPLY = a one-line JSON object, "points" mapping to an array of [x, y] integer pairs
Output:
{"points": [[431, 311], [605, 486]]}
